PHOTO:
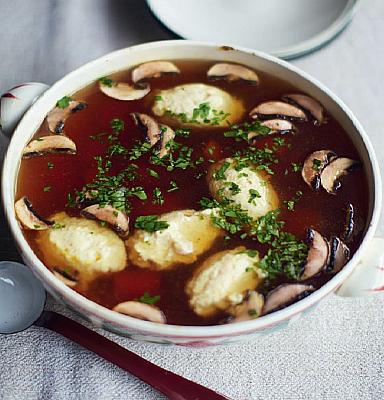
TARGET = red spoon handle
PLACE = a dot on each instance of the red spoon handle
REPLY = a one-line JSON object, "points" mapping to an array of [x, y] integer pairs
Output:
{"points": [[172, 385]]}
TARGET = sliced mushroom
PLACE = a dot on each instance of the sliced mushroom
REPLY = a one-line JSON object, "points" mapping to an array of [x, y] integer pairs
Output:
{"points": [[349, 223], [28, 217], [284, 295], [57, 117], [339, 255], [167, 134], [151, 127], [124, 91], [308, 104], [317, 255], [65, 278], [49, 144], [143, 311], [232, 72], [281, 126], [153, 69], [278, 109], [334, 171], [115, 218], [250, 308], [314, 165]]}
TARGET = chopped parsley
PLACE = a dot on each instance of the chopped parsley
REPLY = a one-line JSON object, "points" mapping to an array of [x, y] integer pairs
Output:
{"points": [[148, 299], [247, 131], [252, 313], [158, 196], [158, 98], [253, 195], [152, 173], [47, 189], [63, 102], [106, 81], [219, 174], [296, 167], [50, 165], [203, 113], [316, 165], [172, 187], [150, 223]]}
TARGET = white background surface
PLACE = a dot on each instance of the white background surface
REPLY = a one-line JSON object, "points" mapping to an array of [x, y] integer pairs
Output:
{"points": [[336, 352]]}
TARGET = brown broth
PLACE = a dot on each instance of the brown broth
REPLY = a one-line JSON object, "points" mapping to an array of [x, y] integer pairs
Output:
{"points": [[316, 209]]}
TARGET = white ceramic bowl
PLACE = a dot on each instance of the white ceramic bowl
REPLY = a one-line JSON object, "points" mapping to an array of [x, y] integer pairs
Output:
{"points": [[18, 99]]}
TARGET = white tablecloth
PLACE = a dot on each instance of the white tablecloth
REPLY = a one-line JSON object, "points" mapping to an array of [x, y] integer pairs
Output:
{"points": [[335, 353]]}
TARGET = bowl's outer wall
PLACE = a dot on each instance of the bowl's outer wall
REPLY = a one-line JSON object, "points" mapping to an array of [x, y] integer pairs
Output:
{"points": [[124, 59]]}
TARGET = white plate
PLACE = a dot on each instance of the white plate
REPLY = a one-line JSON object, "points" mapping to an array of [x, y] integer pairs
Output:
{"points": [[284, 28]]}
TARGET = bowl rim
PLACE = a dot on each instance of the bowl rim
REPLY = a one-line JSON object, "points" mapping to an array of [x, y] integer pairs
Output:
{"points": [[96, 312]]}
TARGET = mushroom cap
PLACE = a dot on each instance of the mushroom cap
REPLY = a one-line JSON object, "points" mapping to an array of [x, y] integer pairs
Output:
{"points": [[65, 279], [153, 69], [167, 134], [57, 116], [28, 217], [150, 125], [144, 311], [311, 172], [124, 91], [318, 255], [284, 295], [232, 72], [334, 171], [278, 109], [49, 144], [118, 220], [339, 255], [312, 106]]}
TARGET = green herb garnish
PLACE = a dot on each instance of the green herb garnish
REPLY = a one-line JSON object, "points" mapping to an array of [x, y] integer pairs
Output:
{"points": [[150, 223], [148, 299], [63, 102]]}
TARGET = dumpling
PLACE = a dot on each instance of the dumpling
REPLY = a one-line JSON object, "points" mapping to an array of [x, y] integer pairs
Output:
{"points": [[195, 104], [254, 193], [190, 233], [82, 247], [222, 280]]}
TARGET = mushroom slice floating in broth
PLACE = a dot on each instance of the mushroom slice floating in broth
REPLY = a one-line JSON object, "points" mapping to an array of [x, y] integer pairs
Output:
{"points": [[28, 217], [250, 308], [143, 311], [153, 69], [284, 295], [314, 165], [278, 109], [349, 223], [124, 91], [312, 106], [334, 171], [339, 255], [318, 255], [151, 127], [57, 117], [115, 218], [49, 144], [232, 72], [167, 134]]}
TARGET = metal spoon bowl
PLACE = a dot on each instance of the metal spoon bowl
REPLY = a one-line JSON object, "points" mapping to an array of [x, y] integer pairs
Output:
{"points": [[22, 300]]}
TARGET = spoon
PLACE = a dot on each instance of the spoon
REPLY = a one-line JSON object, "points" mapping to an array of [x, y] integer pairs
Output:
{"points": [[22, 300]]}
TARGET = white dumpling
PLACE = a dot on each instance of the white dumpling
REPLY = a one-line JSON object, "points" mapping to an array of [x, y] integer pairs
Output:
{"points": [[81, 246], [178, 104], [190, 234], [254, 193], [222, 280]]}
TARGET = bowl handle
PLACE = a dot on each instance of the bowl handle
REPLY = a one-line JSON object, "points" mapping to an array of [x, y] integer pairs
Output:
{"points": [[367, 279], [15, 102]]}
